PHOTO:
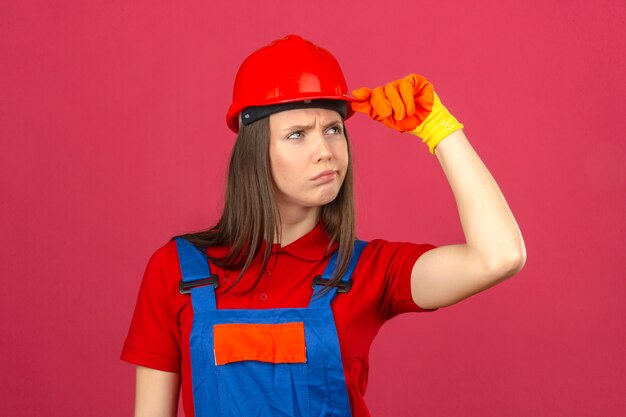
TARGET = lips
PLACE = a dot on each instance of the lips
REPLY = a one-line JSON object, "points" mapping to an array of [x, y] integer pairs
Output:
{"points": [[329, 173]]}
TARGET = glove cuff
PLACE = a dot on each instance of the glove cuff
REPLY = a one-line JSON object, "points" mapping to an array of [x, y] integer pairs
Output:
{"points": [[437, 126]]}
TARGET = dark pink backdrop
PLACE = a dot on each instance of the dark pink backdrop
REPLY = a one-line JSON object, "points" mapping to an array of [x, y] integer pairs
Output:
{"points": [[112, 139]]}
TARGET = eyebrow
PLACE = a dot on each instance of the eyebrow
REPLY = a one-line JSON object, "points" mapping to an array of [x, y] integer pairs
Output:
{"points": [[309, 127]]}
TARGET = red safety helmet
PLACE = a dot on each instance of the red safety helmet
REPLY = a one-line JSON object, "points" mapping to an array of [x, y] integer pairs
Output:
{"points": [[287, 70]]}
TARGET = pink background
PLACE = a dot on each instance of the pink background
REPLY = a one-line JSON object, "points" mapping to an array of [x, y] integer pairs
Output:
{"points": [[112, 139]]}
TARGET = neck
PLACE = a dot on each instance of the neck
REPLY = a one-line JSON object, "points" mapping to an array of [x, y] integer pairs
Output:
{"points": [[296, 222]]}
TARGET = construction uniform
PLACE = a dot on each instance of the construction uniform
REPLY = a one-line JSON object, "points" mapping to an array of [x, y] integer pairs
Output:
{"points": [[161, 328]]}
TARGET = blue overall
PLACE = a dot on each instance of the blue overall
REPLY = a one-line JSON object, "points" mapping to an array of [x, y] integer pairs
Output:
{"points": [[311, 388]]}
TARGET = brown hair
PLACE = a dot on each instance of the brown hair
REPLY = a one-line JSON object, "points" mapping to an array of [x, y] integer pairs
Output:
{"points": [[250, 214]]}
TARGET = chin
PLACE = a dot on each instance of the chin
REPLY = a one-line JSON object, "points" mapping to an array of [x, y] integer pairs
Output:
{"points": [[327, 198]]}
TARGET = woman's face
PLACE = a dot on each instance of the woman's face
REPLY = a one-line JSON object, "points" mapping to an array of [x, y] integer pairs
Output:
{"points": [[308, 156]]}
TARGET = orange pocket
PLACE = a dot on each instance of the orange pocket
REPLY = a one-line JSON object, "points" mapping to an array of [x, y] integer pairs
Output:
{"points": [[274, 343]]}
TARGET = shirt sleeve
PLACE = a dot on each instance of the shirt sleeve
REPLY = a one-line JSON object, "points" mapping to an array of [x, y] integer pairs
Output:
{"points": [[394, 263], [153, 339]]}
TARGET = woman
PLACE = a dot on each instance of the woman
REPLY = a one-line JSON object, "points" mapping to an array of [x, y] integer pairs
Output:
{"points": [[284, 329]]}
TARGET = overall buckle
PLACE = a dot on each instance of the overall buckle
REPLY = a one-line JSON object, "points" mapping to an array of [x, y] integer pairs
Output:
{"points": [[185, 287], [343, 286]]}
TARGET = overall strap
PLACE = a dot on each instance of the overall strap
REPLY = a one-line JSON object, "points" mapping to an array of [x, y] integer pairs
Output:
{"points": [[197, 278], [319, 300]]}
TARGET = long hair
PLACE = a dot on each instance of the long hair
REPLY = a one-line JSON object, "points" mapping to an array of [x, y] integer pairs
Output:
{"points": [[250, 213]]}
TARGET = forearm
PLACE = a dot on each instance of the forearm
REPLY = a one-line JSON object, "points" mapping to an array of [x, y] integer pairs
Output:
{"points": [[491, 232], [156, 393]]}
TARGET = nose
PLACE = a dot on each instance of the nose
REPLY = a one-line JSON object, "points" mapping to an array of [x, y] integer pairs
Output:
{"points": [[324, 152]]}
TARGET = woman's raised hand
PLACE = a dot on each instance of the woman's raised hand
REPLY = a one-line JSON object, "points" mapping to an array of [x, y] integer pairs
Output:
{"points": [[408, 105]]}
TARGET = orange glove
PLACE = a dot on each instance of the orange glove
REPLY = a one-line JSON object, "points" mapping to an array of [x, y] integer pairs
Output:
{"points": [[408, 105]]}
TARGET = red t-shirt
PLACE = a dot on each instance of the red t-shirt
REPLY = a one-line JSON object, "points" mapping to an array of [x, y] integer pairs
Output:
{"points": [[159, 332]]}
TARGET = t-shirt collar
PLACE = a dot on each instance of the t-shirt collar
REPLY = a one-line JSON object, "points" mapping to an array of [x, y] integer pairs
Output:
{"points": [[312, 246]]}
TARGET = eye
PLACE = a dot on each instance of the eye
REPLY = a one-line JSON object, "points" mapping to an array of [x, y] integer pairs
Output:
{"points": [[336, 130], [295, 135]]}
